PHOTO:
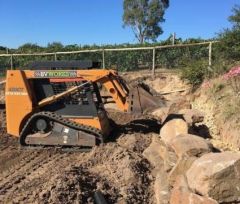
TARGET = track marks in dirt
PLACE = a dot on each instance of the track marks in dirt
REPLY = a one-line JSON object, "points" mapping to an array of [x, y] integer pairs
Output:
{"points": [[19, 172], [31, 168]]}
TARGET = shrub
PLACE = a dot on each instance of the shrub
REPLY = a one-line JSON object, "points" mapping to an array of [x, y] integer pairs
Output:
{"points": [[233, 76], [194, 72], [123, 61]]}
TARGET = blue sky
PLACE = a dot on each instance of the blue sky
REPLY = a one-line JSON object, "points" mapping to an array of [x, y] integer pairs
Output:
{"points": [[100, 21]]}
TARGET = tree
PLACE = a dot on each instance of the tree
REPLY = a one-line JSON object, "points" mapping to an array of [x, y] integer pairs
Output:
{"points": [[30, 48], [230, 38], [144, 17], [55, 47], [235, 17]]}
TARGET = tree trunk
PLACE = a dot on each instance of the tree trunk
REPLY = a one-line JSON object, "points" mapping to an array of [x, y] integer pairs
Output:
{"points": [[141, 38]]}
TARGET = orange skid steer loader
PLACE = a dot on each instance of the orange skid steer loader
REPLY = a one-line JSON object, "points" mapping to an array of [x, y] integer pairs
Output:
{"points": [[60, 104]]}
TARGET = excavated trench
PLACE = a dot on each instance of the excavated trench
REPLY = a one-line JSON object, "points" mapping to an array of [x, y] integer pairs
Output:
{"points": [[117, 168]]}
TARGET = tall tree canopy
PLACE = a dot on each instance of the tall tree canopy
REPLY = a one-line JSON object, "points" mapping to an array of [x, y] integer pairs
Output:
{"points": [[235, 17], [230, 38], [144, 17]]}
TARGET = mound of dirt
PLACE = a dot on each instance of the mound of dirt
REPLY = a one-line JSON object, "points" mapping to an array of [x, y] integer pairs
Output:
{"points": [[121, 175], [135, 142]]}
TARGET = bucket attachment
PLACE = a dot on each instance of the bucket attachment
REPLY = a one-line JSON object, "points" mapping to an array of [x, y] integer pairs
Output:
{"points": [[141, 100]]}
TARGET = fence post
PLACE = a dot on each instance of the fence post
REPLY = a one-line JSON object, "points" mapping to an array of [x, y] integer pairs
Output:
{"points": [[103, 59], [153, 62], [210, 57], [55, 56], [11, 61], [173, 38]]}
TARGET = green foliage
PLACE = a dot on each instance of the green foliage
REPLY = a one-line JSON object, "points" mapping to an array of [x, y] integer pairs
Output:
{"points": [[194, 72], [29, 48], [229, 46], [55, 46], [3, 49], [235, 17], [123, 61], [144, 17]]}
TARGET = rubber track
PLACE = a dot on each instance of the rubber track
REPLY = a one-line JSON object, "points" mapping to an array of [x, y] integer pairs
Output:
{"points": [[59, 119]]}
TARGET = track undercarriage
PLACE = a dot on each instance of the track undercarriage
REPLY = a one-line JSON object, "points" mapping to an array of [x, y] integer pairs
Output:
{"points": [[50, 129]]}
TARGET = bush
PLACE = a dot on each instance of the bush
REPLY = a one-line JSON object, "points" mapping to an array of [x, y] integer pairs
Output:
{"points": [[234, 77], [123, 61], [229, 46], [194, 72]]}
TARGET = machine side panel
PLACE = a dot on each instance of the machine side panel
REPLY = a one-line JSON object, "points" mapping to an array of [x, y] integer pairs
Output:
{"points": [[18, 100]]}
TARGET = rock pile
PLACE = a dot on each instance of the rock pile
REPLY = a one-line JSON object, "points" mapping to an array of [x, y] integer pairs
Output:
{"points": [[184, 166], [216, 175]]}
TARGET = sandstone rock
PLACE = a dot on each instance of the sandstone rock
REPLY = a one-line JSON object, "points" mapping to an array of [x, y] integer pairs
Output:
{"points": [[173, 128], [161, 188], [180, 197], [191, 145], [216, 175], [173, 108], [181, 183], [178, 104], [159, 155], [152, 153], [181, 167], [168, 155], [192, 116], [161, 113], [162, 159], [181, 194]]}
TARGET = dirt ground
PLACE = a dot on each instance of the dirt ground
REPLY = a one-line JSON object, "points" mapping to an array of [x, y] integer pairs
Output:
{"points": [[117, 169]]}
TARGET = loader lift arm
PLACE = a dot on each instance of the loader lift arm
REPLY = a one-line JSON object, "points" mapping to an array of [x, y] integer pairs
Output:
{"points": [[128, 99], [115, 86]]}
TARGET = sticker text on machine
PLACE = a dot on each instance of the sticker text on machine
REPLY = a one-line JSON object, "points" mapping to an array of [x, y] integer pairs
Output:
{"points": [[15, 91], [55, 74]]}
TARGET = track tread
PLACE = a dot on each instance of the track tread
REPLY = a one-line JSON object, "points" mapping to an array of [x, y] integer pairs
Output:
{"points": [[58, 118]]}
